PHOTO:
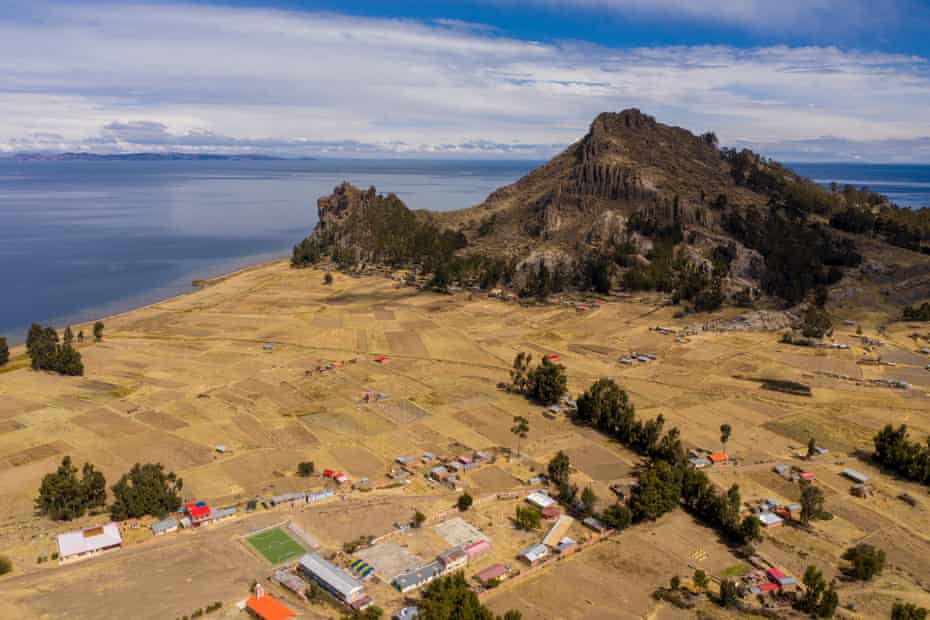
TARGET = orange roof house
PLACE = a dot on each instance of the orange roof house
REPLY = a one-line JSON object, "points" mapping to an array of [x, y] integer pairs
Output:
{"points": [[717, 458], [266, 607]]}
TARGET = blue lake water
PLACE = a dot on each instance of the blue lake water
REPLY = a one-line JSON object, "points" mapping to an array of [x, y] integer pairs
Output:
{"points": [[80, 240]]}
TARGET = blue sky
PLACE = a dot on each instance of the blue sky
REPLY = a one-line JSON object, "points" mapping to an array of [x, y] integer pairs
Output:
{"points": [[809, 80]]}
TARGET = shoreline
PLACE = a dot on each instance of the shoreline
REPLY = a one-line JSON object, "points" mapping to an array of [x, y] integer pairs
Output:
{"points": [[20, 349]]}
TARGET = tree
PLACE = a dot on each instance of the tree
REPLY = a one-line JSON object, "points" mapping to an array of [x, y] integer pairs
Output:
{"points": [[908, 611], [418, 519], [5, 565], [865, 561], [547, 382], [588, 500], [816, 322], [451, 598], [46, 353], [527, 518], [520, 371], [814, 586], [568, 493], [617, 517], [520, 428], [64, 496], [729, 596], [657, 492], [98, 331], [811, 447], [675, 582], [725, 431], [146, 490], [68, 336], [559, 468], [328, 279], [80, 336], [513, 614], [4, 351], [305, 469], [607, 407], [750, 529], [829, 602], [811, 502], [465, 501], [700, 579]]}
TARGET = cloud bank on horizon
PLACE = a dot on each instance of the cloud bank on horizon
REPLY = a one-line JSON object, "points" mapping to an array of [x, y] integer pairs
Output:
{"points": [[153, 76]]}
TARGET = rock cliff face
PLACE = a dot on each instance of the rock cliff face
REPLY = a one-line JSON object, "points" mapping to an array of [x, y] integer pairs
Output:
{"points": [[627, 166]]}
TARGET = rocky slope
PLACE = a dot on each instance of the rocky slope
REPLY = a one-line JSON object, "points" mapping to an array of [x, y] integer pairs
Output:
{"points": [[633, 204]]}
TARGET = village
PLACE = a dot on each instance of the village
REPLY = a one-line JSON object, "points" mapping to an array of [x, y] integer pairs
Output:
{"points": [[324, 470]]}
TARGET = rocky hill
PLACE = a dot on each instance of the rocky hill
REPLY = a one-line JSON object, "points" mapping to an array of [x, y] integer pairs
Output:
{"points": [[637, 205]]}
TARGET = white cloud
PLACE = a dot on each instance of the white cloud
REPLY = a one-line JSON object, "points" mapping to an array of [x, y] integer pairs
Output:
{"points": [[175, 77]]}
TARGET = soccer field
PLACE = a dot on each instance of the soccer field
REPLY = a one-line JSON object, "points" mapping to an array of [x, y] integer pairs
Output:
{"points": [[276, 545]]}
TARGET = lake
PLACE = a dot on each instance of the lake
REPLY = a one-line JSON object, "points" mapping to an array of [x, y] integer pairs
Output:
{"points": [[80, 240]]}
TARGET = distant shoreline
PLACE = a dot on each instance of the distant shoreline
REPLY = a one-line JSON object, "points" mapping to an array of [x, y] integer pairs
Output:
{"points": [[148, 157]]}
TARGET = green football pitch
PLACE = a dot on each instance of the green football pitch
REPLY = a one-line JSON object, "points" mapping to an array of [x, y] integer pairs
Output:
{"points": [[276, 545]]}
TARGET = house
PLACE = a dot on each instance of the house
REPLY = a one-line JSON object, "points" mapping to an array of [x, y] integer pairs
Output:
{"points": [[218, 514], [769, 519], [777, 576], [288, 498], [581, 308], [88, 542], [540, 500], [289, 581], [551, 512], [534, 554], [465, 459], [807, 475], [718, 458], [266, 607], [381, 359], [782, 470], [165, 526], [699, 462], [453, 559], [221, 449], [553, 357], [558, 530], [319, 495], [566, 546], [595, 525], [329, 577], [855, 476], [418, 577], [496, 571], [477, 549], [794, 511], [439, 473], [404, 460], [197, 512]]}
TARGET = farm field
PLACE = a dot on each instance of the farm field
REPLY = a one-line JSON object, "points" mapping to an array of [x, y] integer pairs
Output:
{"points": [[172, 381]]}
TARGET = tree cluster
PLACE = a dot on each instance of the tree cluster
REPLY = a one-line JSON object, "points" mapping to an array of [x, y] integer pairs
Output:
{"points": [[818, 599], [4, 351], [865, 561], [811, 502], [906, 458], [451, 598], [917, 313], [146, 490], [47, 353], [527, 518], [908, 611], [816, 322], [63, 495], [544, 384]]}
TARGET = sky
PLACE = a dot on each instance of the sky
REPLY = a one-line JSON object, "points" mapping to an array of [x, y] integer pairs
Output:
{"points": [[799, 80]]}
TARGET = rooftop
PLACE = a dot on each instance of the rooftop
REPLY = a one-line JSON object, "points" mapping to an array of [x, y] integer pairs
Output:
{"points": [[339, 580], [88, 540], [267, 608]]}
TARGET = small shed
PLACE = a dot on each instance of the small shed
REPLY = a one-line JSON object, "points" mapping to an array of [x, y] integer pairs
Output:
{"points": [[770, 519]]}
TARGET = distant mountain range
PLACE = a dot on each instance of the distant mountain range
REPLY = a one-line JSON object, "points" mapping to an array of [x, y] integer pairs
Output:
{"points": [[141, 157]]}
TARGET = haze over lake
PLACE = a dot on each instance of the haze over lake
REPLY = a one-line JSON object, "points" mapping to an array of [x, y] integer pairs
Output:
{"points": [[80, 240]]}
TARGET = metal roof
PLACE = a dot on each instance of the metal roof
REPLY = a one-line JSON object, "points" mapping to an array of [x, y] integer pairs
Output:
{"points": [[535, 552], [340, 581], [540, 499], [852, 474], [164, 525], [288, 497], [418, 576], [88, 540], [221, 513]]}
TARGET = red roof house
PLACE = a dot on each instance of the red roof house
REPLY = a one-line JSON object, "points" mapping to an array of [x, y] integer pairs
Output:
{"points": [[492, 572], [381, 359], [267, 608], [768, 587], [776, 574], [197, 512], [551, 512], [808, 475], [553, 357], [718, 457], [478, 548]]}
